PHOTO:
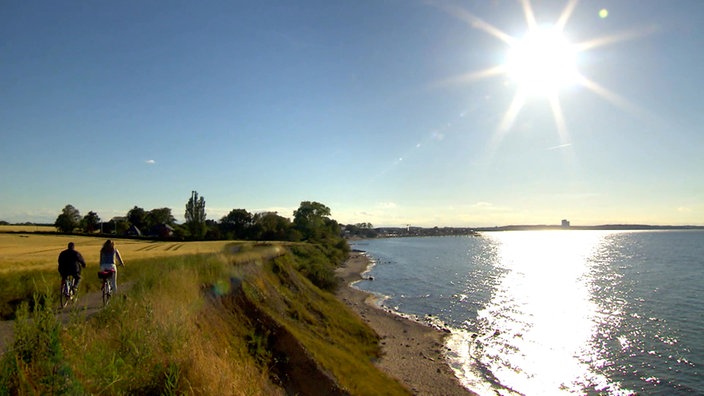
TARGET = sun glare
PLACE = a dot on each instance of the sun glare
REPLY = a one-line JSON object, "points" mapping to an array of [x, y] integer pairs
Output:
{"points": [[542, 62]]}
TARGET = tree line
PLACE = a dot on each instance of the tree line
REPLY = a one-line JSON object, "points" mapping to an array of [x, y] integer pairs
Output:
{"points": [[311, 222]]}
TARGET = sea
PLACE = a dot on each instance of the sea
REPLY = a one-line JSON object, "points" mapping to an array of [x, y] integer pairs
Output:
{"points": [[556, 311]]}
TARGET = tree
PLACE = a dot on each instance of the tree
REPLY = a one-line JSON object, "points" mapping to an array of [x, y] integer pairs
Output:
{"points": [[311, 219], [269, 226], [159, 216], [90, 222], [237, 224], [213, 231], [68, 220], [118, 225], [363, 230], [195, 216], [137, 217]]}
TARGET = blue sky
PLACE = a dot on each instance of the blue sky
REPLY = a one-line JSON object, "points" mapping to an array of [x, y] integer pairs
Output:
{"points": [[360, 105]]}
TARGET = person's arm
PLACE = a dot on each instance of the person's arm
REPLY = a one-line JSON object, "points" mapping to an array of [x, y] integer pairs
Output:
{"points": [[119, 258], [80, 259]]}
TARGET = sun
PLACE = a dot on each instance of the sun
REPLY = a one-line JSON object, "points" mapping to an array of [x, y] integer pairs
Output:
{"points": [[542, 62]]}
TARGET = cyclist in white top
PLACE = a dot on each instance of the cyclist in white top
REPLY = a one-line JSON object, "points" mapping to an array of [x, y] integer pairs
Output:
{"points": [[108, 256]]}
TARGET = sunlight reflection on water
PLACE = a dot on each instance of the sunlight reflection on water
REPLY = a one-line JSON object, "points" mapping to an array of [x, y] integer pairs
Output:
{"points": [[557, 312], [534, 334]]}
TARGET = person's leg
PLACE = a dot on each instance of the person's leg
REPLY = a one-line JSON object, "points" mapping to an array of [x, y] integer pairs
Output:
{"points": [[77, 277], [113, 282]]}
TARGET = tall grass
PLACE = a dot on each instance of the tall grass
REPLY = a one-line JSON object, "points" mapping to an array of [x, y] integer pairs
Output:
{"points": [[20, 286], [180, 330], [36, 363], [162, 337], [165, 337], [337, 339]]}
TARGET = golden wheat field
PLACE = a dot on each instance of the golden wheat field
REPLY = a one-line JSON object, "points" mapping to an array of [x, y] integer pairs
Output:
{"points": [[27, 228], [38, 251]]}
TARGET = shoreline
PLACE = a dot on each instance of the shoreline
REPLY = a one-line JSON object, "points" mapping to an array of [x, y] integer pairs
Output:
{"points": [[412, 352]]}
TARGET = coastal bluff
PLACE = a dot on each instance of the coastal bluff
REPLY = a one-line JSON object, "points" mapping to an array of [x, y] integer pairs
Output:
{"points": [[259, 319]]}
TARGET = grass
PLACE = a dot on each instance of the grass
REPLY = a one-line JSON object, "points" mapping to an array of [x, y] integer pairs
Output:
{"points": [[337, 339], [180, 329], [164, 338]]}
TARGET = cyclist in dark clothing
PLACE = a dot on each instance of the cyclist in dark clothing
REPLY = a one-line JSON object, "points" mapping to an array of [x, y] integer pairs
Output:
{"points": [[70, 263]]}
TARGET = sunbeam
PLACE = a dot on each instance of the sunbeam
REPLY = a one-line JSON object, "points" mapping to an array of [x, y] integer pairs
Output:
{"points": [[607, 40], [493, 71], [528, 12], [476, 22], [559, 119], [542, 63], [566, 14], [611, 97], [510, 116]]}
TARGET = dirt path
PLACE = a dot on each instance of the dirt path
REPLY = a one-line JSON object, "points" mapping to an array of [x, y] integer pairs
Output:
{"points": [[87, 304], [6, 331]]}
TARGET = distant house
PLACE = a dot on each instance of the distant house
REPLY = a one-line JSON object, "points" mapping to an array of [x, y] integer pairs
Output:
{"points": [[134, 231], [565, 223]]}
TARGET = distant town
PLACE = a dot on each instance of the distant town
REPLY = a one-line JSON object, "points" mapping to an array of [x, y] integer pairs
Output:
{"points": [[390, 232]]}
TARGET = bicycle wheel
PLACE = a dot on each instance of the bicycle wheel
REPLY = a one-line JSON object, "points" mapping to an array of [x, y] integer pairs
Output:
{"points": [[106, 291], [66, 292], [63, 299]]}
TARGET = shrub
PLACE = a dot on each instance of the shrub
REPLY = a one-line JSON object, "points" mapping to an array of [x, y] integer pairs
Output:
{"points": [[314, 264], [35, 363]]}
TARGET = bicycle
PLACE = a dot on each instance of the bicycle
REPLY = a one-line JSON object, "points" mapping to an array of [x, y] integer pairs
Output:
{"points": [[67, 292], [106, 276]]}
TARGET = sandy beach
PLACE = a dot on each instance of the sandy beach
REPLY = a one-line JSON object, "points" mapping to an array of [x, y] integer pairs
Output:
{"points": [[413, 352]]}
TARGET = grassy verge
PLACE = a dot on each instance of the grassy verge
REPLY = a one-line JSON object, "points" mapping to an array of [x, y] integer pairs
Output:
{"points": [[338, 341], [163, 337], [219, 323]]}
